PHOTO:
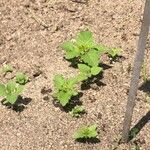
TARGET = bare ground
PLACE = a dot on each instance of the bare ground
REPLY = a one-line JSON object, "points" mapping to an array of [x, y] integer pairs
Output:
{"points": [[30, 34]]}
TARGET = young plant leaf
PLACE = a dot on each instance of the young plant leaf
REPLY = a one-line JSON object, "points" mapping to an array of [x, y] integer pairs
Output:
{"points": [[64, 89], [86, 132], [21, 78], [114, 52], [96, 70], [71, 50], [10, 92], [2, 90], [59, 81], [64, 97], [77, 111], [86, 71], [7, 68], [84, 68], [91, 58], [85, 39]]}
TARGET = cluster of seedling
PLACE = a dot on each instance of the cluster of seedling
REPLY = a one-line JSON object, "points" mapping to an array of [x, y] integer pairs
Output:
{"points": [[11, 90], [85, 53]]}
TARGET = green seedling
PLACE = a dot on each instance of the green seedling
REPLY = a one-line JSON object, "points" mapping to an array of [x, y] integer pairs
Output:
{"points": [[87, 72], [84, 49], [64, 89], [77, 111], [10, 92], [7, 68], [86, 132], [21, 78], [114, 52]]}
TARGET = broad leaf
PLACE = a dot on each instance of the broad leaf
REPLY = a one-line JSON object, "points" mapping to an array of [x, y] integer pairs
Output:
{"points": [[114, 52], [84, 68], [77, 111], [2, 90], [59, 81], [92, 131], [82, 77], [21, 78], [91, 58], [101, 49], [71, 50], [11, 98], [96, 70], [86, 132], [63, 97], [11, 87], [85, 39]]}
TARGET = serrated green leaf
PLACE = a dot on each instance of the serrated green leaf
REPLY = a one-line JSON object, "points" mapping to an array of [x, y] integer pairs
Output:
{"points": [[63, 97], [101, 49], [84, 68], [11, 98], [72, 81], [2, 90], [85, 39], [82, 77], [92, 131], [59, 81], [86, 132], [77, 111], [91, 58], [81, 133], [21, 78], [7, 68], [114, 52], [96, 70], [11, 87], [71, 50], [19, 89]]}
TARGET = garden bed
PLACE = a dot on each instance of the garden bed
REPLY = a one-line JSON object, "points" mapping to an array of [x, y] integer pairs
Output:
{"points": [[30, 35]]}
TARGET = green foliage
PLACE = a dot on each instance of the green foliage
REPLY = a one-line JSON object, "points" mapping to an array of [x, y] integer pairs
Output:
{"points": [[84, 48], [114, 52], [77, 111], [64, 89], [7, 68], [86, 71], [10, 92], [21, 78], [86, 132]]}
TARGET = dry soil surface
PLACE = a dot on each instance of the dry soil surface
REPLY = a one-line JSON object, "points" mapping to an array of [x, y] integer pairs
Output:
{"points": [[30, 35]]}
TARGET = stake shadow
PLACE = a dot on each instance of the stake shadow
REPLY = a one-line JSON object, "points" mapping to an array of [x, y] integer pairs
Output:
{"points": [[145, 87], [138, 127], [80, 1], [19, 105]]}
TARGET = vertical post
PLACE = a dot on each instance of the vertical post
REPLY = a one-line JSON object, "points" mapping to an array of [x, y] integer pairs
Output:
{"points": [[136, 72]]}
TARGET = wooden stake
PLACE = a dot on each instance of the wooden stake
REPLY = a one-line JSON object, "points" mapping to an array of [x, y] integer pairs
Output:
{"points": [[136, 72]]}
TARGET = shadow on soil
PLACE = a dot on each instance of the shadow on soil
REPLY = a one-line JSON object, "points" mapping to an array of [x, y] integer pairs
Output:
{"points": [[117, 59], [93, 80], [19, 105], [89, 141], [74, 102], [145, 87], [138, 127]]}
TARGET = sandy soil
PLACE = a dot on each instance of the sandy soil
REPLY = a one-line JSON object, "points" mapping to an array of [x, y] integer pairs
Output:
{"points": [[30, 34]]}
